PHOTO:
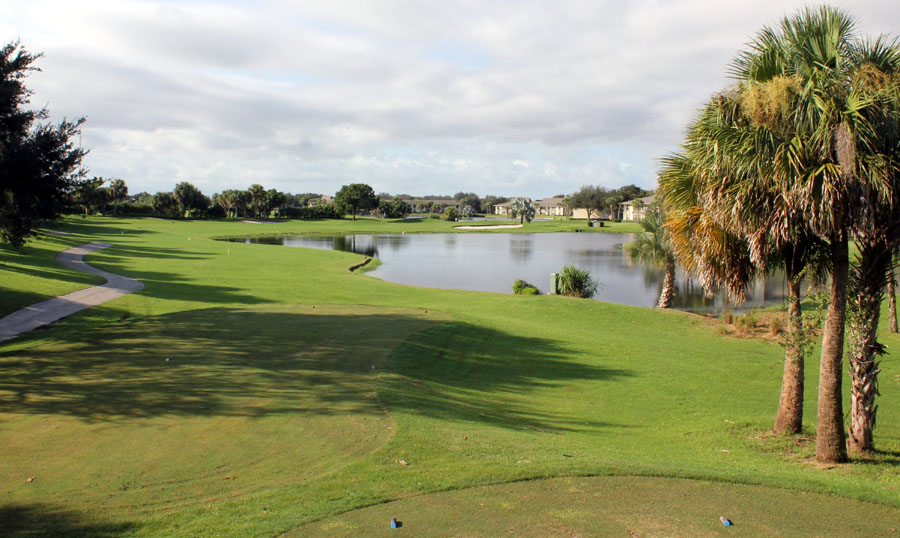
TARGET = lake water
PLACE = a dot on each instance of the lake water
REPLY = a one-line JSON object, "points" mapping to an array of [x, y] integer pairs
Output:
{"points": [[492, 262]]}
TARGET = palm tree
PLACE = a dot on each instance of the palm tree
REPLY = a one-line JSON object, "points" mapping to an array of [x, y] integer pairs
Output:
{"points": [[802, 84], [257, 198], [892, 300], [612, 201], [522, 208], [877, 230], [652, 247], [566, 204], [637, 209], [728, 159], [117, 193]]}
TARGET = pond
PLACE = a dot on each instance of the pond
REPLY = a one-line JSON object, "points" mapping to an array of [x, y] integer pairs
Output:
{"points": [[493, 261]]}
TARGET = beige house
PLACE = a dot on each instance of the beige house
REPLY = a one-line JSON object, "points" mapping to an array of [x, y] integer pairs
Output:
{"points": [[502, 209], [546, 207], [549, 206], [631, 212], [581, 213], [323, 201]]}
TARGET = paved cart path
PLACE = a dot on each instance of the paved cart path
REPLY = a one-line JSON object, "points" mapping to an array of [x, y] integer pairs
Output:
{"points": [[45, 313]]}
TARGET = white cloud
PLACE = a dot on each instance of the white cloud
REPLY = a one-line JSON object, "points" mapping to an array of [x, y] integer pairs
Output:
{"points": [[408, 97]]}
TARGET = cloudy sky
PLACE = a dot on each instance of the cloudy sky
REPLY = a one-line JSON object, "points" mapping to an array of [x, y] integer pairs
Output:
{"points": [[523, 97]]}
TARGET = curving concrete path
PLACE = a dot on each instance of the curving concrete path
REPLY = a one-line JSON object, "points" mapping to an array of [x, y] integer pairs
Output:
{"points": [[45, 313]]}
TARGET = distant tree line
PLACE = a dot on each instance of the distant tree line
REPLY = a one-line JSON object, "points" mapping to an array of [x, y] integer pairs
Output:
{"points": [[98, 195], [110, 196]]}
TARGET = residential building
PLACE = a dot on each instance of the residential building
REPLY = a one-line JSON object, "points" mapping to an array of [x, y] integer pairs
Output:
{"points": [[502, 209], [549, 206], [581, 213], [631, 212]]}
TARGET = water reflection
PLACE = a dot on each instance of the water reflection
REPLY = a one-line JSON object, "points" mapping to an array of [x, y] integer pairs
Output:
{"points": [[491, 262], [521, 249], [367, 245], [364, 245]]}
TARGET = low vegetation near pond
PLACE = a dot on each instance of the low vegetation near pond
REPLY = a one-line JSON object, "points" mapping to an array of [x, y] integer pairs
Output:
{"points": [[520, 287], [576, 282]]}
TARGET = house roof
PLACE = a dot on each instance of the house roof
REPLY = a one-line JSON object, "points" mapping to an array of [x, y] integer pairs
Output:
{"points": [[647, 200], [548, 202], [415, 201]]}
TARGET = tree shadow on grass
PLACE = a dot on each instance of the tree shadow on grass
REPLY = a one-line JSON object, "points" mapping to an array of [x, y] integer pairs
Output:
{"points": [[41, 262], [20, 520], [96, 227], [222, 362], [258, 363], [465, 372], [879, 458]]}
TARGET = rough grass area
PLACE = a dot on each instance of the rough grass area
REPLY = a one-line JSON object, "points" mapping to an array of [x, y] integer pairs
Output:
{"points": [[615, 507], [269, 417]]}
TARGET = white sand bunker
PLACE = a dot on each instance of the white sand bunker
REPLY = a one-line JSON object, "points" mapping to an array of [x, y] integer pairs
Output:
{"points": [[488, 227]]}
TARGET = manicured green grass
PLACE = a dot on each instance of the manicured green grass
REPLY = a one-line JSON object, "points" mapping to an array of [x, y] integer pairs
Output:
{"points": [[614, 507], [32, 275], [270, 416]]}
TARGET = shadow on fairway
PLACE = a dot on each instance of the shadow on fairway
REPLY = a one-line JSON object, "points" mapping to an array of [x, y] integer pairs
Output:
{"points": [[97, 227], [41, 262], [44, 520], [262, 362], [465, 372]]}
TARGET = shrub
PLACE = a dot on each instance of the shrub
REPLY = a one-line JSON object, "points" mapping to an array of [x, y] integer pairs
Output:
{"points": [[394, 208], [315, 212], [751, 319], [576, 282], [520, 287], [775, 326]]}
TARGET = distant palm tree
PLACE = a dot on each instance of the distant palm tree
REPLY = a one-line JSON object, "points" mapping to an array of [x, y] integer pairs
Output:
{"points": [[258, 199], [652, 247], [637, 209], [522, 208], [566, 204], [117, 193]]}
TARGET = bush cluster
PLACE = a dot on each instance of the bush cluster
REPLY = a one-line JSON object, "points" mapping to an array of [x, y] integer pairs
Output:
{"points": [[520, 287], [576, 282], [315, 212]]}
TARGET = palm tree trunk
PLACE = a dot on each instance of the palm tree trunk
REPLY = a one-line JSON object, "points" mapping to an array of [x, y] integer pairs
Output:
{"points": [[830, 439], [865, 308], [790, 407], [668, 290], [892, 301]]}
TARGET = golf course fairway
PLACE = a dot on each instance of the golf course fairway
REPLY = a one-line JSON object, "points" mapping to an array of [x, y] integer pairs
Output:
{"points": [[302, 399]]}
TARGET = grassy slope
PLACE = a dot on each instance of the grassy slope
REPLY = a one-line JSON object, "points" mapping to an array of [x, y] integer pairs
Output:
{"points": [[493, 388]]}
